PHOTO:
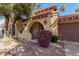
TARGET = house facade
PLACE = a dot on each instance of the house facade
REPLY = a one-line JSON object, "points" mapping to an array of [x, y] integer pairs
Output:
{"points": [[66, 27]]}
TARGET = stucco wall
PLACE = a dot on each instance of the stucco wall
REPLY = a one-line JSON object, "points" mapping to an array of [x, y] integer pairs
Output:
{"points": [[54, 25], [26, 33], [51, 25]]}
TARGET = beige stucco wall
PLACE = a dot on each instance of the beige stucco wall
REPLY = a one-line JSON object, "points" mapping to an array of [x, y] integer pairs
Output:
{"points": [[52, 25], [27, 35]]}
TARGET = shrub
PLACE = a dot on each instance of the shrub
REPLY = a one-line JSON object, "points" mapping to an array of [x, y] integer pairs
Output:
{"points": [[54, 39], [44, 37]]}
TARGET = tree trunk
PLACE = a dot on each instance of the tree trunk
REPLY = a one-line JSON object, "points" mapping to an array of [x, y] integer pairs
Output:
{"points": [[6, 26], [10, 27]]}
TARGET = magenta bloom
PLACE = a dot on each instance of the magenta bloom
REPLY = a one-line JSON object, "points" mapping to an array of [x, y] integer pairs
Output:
{"points": [[44, 37]]}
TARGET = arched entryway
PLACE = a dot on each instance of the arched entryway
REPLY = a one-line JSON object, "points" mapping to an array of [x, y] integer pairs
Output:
{"points": [[37, 26]]}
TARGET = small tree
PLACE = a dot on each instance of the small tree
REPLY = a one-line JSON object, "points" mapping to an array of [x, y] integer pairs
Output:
{"points": [[13, 12], [77, 9], [62, 8]]}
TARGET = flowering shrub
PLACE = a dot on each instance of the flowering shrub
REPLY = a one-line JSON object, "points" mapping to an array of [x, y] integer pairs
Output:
{"points": [[44, 37]]}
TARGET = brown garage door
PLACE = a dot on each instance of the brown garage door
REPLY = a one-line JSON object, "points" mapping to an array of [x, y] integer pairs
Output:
{"points": [[69, 32]]}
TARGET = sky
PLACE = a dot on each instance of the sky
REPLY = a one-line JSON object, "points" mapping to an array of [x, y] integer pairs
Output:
{"points": [[70, 7]]}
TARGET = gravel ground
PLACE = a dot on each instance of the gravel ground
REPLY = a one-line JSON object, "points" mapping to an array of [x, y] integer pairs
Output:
{"points": [[9, 47], [33, 49], [6, 44]]}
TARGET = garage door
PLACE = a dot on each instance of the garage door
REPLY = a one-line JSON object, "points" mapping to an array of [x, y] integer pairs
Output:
{"points": [[69, 32]]}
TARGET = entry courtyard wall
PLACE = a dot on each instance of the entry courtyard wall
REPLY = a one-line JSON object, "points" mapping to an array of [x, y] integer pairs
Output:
{"points": [[46, 23]]}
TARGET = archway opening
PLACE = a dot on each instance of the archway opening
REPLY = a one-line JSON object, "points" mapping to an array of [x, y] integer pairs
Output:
{"points": [[37, 26]]}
